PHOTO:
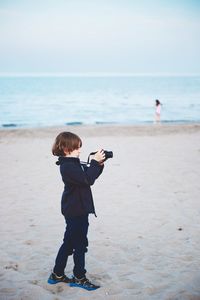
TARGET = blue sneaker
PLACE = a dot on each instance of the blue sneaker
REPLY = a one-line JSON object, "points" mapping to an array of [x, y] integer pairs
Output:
{"points": [[53, 279], [83, 283]]}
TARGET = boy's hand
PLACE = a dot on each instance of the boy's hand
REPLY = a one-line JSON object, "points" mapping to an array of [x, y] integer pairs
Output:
{"points": [[99, 156]]}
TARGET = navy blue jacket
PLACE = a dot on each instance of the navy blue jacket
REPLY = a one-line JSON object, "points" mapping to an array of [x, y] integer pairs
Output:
{"points": [[77, 197]]}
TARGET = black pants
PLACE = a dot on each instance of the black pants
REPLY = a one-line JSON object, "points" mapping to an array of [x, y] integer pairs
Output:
{"points": [[75, 242]]}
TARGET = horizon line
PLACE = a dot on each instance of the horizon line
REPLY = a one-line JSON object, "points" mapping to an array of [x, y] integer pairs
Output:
{"points": [[92, 74]]}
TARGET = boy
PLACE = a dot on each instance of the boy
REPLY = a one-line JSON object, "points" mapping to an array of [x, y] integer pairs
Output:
{"points": [[76, 205]]}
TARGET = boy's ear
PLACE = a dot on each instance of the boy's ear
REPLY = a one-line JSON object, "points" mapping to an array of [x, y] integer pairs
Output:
{"points": [[66, 152]]}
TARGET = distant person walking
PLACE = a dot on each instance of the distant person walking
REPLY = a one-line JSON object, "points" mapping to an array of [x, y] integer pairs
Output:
{"points": [[158, 111]]}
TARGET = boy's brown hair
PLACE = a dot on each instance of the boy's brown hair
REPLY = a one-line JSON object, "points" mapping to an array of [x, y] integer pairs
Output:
{"points": [[66, 142]]}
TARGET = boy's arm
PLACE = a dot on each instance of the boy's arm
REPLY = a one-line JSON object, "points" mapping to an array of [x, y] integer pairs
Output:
{"points": [[101, 169], [76, 175]]}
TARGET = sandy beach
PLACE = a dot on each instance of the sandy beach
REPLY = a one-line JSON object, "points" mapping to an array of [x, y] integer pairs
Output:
{"points": [[144, 243]]}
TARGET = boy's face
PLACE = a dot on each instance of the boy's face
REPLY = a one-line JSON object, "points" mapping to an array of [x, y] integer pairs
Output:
{"points": [[74, 153]]}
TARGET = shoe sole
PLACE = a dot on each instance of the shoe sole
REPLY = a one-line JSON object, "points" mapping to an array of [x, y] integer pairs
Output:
{"points": [[83, 287]]}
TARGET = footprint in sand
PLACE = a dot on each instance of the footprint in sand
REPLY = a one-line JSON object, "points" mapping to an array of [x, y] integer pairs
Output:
{"points": [[51, 288], [58, 289], [34, 282], [28, 242], [12, 265], [187, 258], [8, 291], [113, 291], [151, 290], [54, 289], [101, 279], [129, 284]]}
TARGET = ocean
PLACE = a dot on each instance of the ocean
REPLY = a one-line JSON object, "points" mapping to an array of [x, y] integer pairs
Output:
{"points": [[35, 101]]}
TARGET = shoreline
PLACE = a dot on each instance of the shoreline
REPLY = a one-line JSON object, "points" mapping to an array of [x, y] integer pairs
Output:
{"points": [[103, 130]]}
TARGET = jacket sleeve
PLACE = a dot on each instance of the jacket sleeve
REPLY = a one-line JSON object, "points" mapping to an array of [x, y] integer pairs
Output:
{"points": [[76, 175]]}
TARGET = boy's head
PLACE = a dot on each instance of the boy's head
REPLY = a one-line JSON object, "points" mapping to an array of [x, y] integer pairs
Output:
{"points": [[65, 143]]}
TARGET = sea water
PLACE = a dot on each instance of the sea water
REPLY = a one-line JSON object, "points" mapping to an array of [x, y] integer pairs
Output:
{"points": [[34, 101]]}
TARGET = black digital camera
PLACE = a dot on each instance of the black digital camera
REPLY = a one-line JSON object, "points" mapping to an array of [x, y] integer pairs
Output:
{"points": [[108, 154]]}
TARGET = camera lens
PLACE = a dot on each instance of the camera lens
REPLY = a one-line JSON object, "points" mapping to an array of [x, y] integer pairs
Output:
{"points": [[108, 154]]}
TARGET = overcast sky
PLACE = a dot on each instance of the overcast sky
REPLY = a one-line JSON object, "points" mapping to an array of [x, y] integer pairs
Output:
{"points": [[120, 36]]}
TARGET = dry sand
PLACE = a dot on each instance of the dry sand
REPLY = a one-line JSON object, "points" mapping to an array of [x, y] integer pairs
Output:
{"points": [[145, 242]]}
